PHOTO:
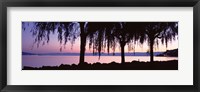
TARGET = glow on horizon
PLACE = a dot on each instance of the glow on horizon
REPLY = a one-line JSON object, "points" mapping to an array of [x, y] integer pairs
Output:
{"points": [[54, 46]]}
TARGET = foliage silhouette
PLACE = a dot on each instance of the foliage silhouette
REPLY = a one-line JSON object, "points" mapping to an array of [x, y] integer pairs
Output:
{"points": [[165, 31], [127, 33]]}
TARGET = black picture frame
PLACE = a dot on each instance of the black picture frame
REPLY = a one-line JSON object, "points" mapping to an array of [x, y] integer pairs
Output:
{"points": [[100, 3]]}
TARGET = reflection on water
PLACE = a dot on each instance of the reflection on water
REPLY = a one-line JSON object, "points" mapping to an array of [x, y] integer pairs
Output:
{"points": [[38, 61]]}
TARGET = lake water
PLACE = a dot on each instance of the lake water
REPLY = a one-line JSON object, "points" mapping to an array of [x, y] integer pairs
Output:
{"points": [[38, 61]]}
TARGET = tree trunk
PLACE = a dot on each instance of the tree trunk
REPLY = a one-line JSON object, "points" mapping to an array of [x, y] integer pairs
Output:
{"points": [[83, 43], [122, 53], [151, 50]]}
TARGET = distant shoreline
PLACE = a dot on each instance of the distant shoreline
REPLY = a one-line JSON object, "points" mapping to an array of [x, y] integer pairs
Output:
{"points": [[91, 54], [167, 53]]}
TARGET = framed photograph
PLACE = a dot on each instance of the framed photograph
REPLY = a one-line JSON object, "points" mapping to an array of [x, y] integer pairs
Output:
{"points": [[130, 45]]}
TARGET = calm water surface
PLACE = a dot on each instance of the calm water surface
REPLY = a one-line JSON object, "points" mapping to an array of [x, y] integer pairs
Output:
{"points": [[38, 61]]}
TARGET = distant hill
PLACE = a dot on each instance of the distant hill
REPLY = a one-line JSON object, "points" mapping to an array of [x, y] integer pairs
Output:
{"points": [[170, 53], [27, 53]]}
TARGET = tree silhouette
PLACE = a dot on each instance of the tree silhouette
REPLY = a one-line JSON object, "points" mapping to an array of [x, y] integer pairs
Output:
{"points": [[109, 34], [83, 36], [94, 32], [165, 31], [67, 31], [127, 33]]}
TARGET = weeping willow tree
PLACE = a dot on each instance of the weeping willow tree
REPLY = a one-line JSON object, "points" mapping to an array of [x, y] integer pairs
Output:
{"points": [[155, 31], [128, 33], [66, 31], [111, 34], [95, 33]]}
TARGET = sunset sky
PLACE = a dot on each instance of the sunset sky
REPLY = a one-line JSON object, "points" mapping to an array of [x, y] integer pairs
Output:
{"points": [[54, 46]]}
